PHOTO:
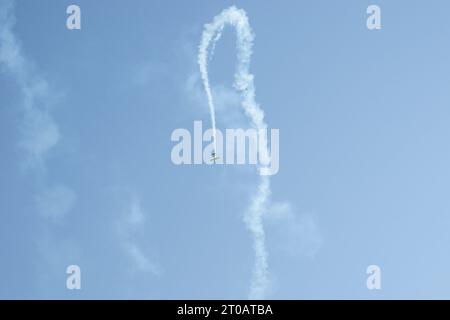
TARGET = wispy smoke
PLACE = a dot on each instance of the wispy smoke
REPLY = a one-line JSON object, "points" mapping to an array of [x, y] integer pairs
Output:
{"points": [[55, 202], [129, 227], [243, 82], [40, 133]]}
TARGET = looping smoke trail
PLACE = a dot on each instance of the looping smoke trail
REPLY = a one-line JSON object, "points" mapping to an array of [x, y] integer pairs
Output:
{"points": [[243, 82]]}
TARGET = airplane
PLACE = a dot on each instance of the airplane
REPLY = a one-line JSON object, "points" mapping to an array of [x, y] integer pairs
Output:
{"points": [[214, 157]]}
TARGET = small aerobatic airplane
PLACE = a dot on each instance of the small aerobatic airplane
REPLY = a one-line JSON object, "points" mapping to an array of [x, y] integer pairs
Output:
{"points": [[214, 157]]}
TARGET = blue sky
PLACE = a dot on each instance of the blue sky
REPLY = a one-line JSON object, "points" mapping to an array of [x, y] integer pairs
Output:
{"points": [[86, 177]]}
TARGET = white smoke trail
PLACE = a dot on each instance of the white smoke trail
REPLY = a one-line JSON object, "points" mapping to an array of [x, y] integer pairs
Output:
{"points": [[243, 82]]}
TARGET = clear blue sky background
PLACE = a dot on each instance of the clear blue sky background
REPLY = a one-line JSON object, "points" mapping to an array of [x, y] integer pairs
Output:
{"points": [[364, 157]]}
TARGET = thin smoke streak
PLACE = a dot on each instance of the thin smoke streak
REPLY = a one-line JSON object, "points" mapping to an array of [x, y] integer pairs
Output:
{"points": [[243, 82]]}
